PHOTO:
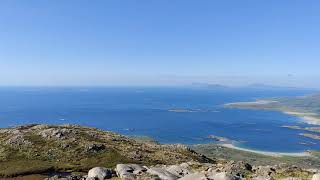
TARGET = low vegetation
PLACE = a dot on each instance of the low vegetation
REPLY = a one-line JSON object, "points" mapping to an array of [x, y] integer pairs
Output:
{"points": [[35, 149]]}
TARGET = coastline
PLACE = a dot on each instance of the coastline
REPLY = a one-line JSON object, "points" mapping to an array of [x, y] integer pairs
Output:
{"points": [[248, 103], [308, 118], [268, 153]]}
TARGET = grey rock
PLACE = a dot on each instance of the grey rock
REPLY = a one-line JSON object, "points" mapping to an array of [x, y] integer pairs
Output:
{"points": [[262, 178], [129, 171], [18, 140], [3, 131], [74, 177], [59, 133], [316, 177], [178, 147], [90, 178], [162, 173], [194, 176], [52, 178], [94, 148], [265, 171], [100, 173], [179, 170], [211, 174], [10, 131], [224, 176]]}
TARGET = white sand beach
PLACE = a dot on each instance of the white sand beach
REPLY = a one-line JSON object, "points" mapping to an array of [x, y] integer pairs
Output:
{"points": [[308, 118], [258, 102], [267, 153]]}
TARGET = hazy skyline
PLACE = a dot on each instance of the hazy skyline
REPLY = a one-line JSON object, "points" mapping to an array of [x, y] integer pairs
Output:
{"points": [[159, 42]]}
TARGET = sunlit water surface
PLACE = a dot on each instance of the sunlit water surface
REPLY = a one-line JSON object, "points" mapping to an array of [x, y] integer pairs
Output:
{"points": [[144, 111]]}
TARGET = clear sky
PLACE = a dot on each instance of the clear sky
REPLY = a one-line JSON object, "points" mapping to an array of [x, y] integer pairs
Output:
{"points": [[159, 42]]}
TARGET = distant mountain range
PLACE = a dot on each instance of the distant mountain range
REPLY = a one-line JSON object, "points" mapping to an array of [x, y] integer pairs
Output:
{"points": [[257, 86]]}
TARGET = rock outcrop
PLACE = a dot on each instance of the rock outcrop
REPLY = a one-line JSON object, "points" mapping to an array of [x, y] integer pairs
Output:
{"points": [[59, 133], [130, 170], [189, 171], [100, 173], [162, 173]]}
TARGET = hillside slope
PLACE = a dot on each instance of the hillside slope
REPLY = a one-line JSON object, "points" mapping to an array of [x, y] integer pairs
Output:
{"points": [[45, 148]]}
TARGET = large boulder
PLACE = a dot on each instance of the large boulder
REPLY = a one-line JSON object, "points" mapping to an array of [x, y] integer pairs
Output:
{"points": [[316, 177], [129, 170], [179, 170], [224, 176], [163, 174], [100, 173], [194, 176]]}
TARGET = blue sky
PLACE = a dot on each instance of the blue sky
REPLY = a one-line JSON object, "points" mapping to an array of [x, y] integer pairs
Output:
{"points": [[159, 42]]}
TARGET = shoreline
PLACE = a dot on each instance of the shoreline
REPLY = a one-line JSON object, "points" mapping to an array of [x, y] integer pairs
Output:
{"points": [[305, 117], [246, 103], [268, 153]]}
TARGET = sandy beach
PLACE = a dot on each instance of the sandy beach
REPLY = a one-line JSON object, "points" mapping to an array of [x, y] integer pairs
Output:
{"points": [[311, 120], [308, 118], [267, 153], [258, 102]]}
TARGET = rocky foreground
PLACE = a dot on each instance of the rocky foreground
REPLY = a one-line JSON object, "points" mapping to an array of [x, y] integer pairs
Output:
{"points": [[75, 152], [195, 171]]}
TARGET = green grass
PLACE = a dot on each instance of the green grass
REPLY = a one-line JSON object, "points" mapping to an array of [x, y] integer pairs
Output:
{"points": [[24, 167], [106, 159], [21, 165]]}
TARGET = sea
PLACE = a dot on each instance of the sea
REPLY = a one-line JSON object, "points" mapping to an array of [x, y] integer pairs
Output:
{"points": [[187, 115]]}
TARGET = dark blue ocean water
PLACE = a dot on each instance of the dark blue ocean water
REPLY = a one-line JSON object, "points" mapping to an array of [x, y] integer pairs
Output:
{"points": [[144, 111]]}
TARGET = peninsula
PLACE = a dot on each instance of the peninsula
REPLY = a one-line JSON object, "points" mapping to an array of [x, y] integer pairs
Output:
{"points": [[305, 107]]}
